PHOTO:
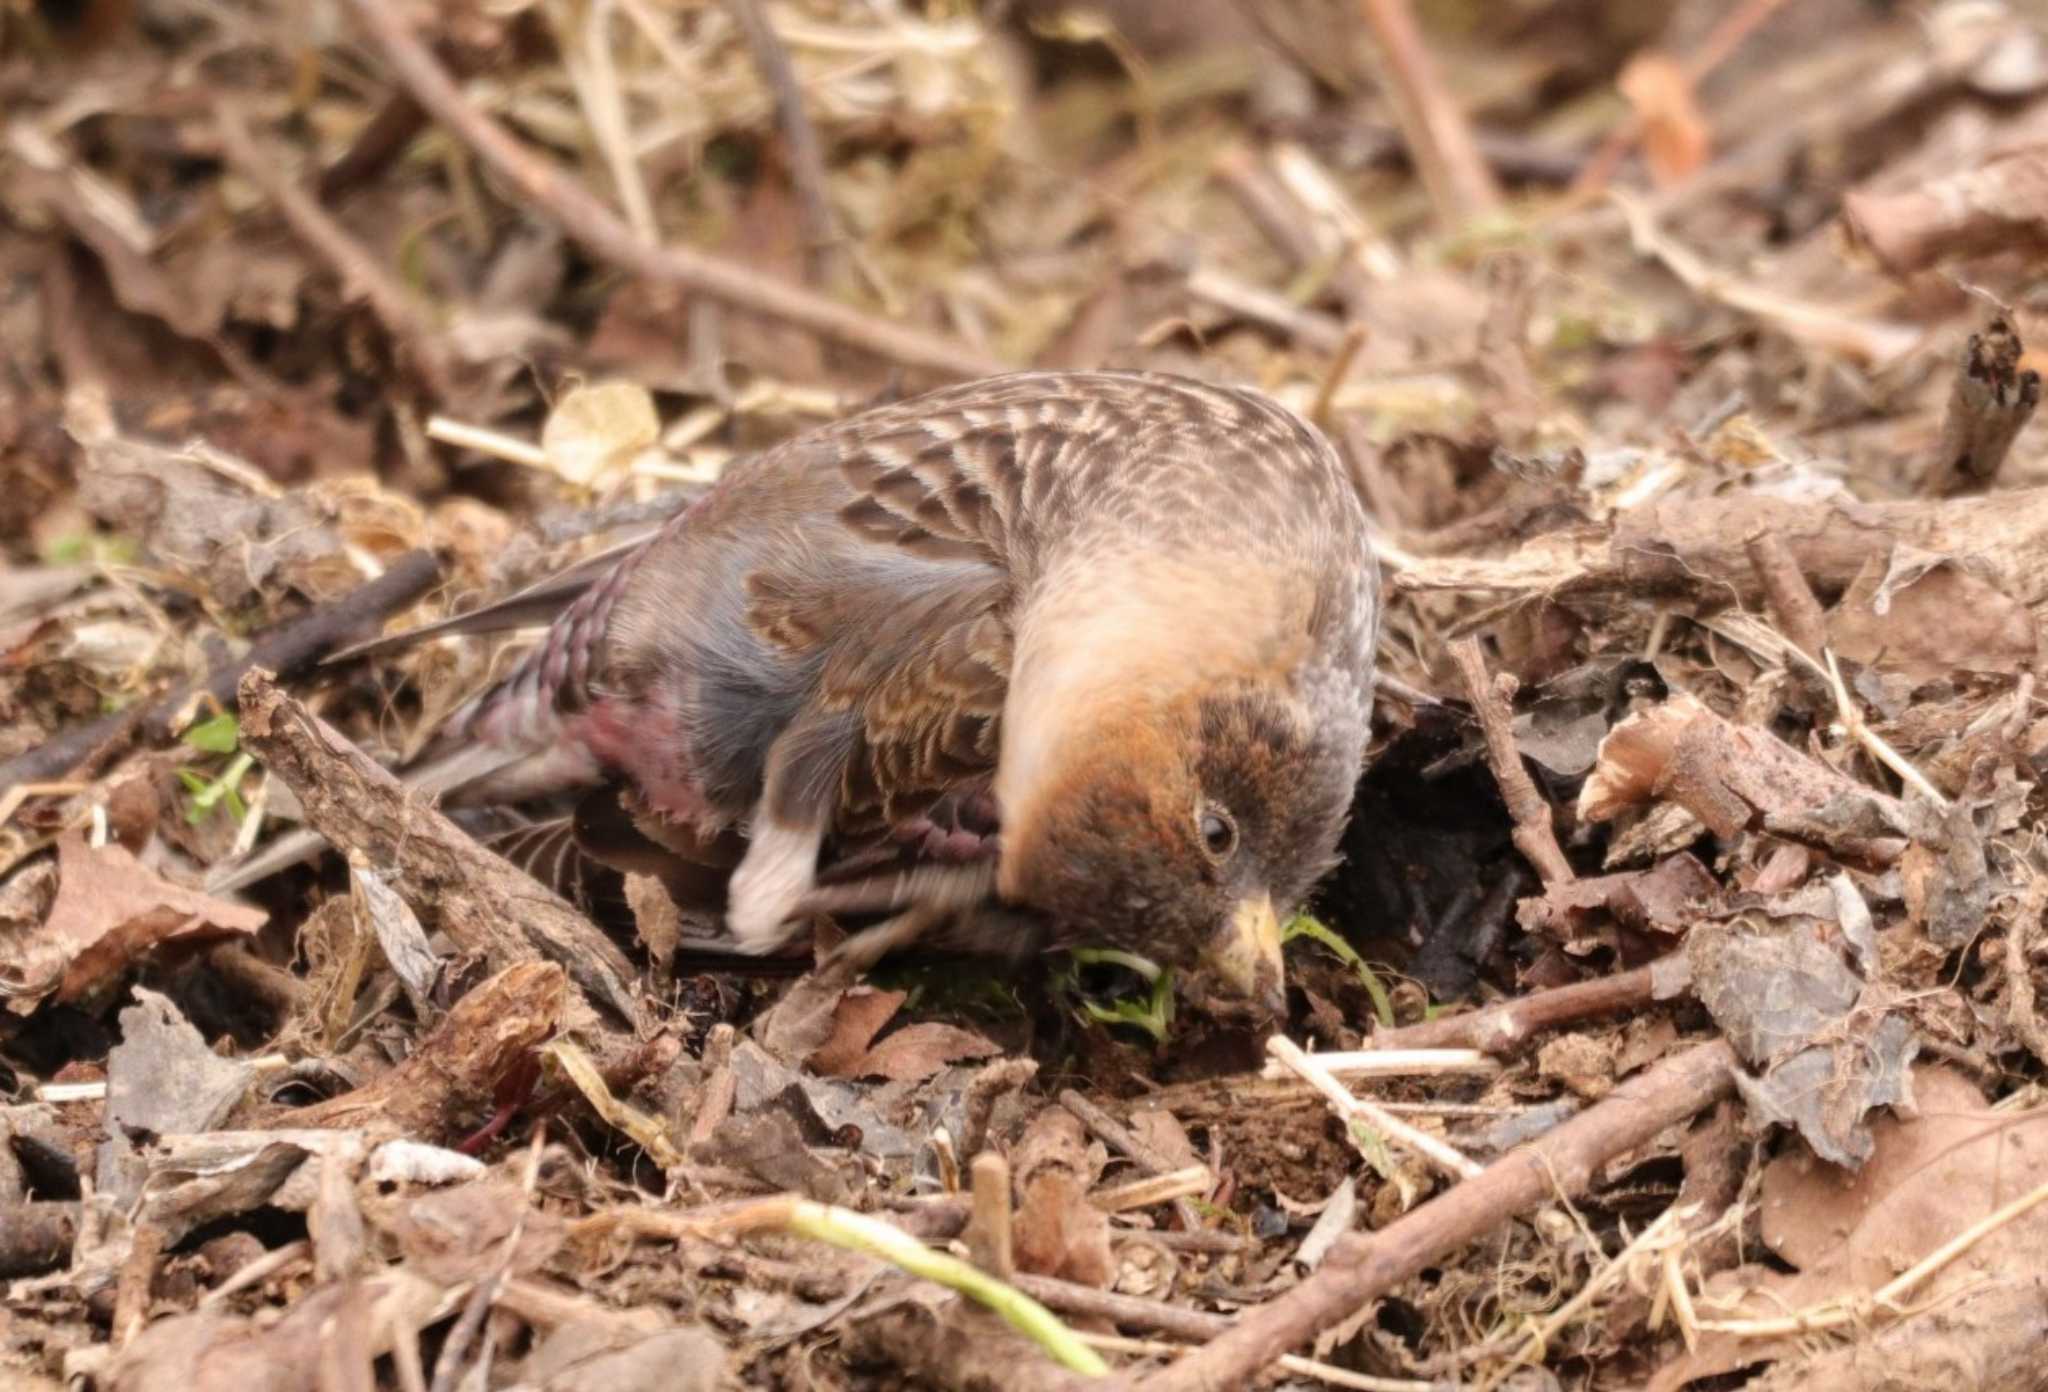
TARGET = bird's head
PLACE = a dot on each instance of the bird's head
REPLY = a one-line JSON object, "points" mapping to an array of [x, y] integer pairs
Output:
{"points": [[1184, 830]]}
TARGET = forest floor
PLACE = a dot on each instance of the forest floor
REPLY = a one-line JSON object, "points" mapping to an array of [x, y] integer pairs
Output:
{"points": [[1672, 1021]]}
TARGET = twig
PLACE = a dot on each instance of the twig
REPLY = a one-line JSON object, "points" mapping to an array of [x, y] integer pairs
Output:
{"points": [[480, 900], [291, 647], [1191, 1181], [1362, 1267], [988, 1225], [389, 300], [495, 443], [1355, 1109], [1534, 835], [1989, 404], [1785, 589], [1395, 1063], [1503, 1029], [822, 237], [1851, 716], [396, 124], [1333, 375], [584, 218], [1438, 136], [1263, 306]]}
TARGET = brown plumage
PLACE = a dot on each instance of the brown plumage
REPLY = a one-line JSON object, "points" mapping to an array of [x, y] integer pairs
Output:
{"points": [[1090, 653]]}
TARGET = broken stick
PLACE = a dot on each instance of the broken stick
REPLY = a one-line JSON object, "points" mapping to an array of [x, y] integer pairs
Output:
{"points": [[1535, 836], [482, 901], [1362, 1267], [1987, 406]]}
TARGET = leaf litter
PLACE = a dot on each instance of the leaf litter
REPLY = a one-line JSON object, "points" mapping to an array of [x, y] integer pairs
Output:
{"points": [[1680, 353]]}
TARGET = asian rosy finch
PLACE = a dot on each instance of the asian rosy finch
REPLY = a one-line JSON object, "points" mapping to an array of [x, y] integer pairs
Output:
{"points": [[1082, 654]]}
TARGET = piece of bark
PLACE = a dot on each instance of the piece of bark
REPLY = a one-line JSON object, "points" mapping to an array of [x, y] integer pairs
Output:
{"points": [[1699, 547], [1736, 779], [2000, 205], [446, 1086], [1057, 1231], [1989, 403], [483, 902]]}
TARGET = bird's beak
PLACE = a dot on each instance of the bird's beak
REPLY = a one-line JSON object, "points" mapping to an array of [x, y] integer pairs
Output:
{"points": [[1245, 957]]}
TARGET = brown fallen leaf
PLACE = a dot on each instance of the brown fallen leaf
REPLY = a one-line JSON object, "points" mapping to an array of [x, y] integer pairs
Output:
{"points": [[1930, 1177], [110, 909], [917, 1051], [1925, 617], [857, 1017]]}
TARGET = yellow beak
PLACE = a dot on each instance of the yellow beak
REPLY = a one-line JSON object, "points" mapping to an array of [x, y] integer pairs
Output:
{"points": [[1245, 957]]}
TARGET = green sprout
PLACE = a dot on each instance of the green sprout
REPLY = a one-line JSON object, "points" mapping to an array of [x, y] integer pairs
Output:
{"points": [[1314, 929], [1152, 1013], [220, 734]]}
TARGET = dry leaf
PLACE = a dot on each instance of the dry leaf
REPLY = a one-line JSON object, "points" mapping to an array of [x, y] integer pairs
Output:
{"points": [[857, 1018], [1925, 617], [915, 1052], [595, 432], [1930, 1177], [110, 909]]}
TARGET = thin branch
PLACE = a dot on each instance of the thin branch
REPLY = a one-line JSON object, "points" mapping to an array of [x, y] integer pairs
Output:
{"points": [[1503, 1029], [579, 214], [290, 647], [1362, 1267], [1353, 1108], [1438, 136], [822, 237], [1789, 595], [1534, 834]]}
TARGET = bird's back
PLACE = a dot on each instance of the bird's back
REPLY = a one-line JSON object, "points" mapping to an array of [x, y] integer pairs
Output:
{"points": [[854, 596]]}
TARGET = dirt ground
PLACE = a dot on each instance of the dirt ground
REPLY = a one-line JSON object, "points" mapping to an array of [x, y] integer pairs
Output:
{"points": [[1672, 1020]]}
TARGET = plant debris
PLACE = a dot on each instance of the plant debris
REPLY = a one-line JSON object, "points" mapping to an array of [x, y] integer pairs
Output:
{"points": [[1673, 1018]]}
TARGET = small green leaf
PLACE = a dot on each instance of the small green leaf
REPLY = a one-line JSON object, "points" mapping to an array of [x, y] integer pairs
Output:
{"points": [[219, 735], [1153, 1015], [209, 793]]}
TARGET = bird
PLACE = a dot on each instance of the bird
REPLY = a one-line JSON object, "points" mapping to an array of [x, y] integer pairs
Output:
{"points": [[1067, 658]]}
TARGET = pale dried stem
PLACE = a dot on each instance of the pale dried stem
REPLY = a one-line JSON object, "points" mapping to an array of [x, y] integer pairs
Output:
{"points": [[1353, 1108]]}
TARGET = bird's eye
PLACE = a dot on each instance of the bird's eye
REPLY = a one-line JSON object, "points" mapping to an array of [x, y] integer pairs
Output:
{"points": [[1219, 833]]}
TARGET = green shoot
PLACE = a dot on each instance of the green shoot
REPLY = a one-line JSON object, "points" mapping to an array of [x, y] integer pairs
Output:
{"points": [[1307, 926], [225, 790], [1153, 1013]]}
